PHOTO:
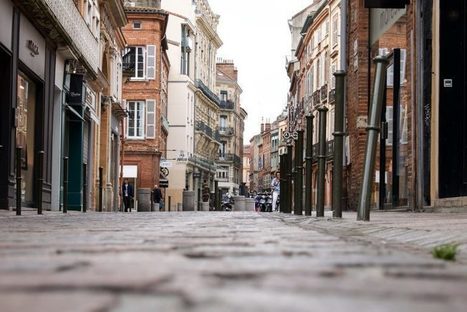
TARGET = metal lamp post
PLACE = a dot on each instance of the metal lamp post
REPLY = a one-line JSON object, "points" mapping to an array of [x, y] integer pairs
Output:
{"points": [[309, 163]]}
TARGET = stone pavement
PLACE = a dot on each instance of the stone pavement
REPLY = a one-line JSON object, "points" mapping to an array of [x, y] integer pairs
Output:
{"points": [[212, 261]]}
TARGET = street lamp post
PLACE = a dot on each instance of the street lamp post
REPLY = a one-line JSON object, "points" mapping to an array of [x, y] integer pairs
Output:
{"points": [[321, 161], [338, 145], [309, 163]]}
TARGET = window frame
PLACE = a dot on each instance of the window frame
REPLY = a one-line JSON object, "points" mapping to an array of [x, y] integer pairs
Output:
{"points": [[142, 109]]}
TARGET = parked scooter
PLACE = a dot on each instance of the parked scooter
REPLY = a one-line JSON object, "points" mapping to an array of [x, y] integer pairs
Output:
{"points": [[227, 202]]}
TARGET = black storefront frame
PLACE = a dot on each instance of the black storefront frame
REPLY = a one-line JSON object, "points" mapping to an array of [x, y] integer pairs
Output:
{"points": [[43, 119]]}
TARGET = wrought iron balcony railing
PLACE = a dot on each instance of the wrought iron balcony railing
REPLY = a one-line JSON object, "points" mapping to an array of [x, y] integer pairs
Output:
{"points": [[324, 93], [227, 104], [207, 92]]}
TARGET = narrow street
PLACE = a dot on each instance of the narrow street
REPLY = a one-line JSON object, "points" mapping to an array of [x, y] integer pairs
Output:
{"points": [[216, 262]]}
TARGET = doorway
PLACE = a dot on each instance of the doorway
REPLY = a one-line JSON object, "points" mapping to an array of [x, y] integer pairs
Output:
{"points": [[452, 100]]}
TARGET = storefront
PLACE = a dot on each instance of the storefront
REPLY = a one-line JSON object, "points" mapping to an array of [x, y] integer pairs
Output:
{"points": [[27, 70]]}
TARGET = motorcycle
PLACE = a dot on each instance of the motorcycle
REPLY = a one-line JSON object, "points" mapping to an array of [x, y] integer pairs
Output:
{"points": [[227, 202]]}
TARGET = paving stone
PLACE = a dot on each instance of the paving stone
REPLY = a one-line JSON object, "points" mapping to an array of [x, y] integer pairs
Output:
{"points": [[210, 261]]}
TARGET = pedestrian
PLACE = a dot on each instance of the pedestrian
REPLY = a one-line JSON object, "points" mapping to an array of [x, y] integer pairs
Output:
{"points": [[276, 189], [156, 197], [127, 194]]}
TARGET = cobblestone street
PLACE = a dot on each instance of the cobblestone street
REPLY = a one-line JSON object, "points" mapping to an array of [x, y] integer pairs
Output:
{"points": [[217, 262]]}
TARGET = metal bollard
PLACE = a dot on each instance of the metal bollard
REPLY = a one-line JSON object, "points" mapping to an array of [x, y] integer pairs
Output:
{"points": [[85, 188], [65, 184], [298, 187], [40, 180], [152, 201], [309, 164], [101, 199], [372, 129], [321, 161], [283, 181], [19, 180], [216, 196], [170, 203], [338, 145], [289, 165]]}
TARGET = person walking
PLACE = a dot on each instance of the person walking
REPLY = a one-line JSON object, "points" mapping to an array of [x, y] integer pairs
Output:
{"points": [[276, 189], [127, 194], [156, 197]]}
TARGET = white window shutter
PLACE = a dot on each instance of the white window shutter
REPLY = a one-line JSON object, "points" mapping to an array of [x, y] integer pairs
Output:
{"points": [[150, 119], [151, 62]]}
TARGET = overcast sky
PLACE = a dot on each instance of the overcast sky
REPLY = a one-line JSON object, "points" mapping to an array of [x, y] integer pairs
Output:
{"points": [[257, 37]]}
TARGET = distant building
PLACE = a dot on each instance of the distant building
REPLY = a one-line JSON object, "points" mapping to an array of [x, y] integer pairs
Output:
{"points": [[231, 126]]}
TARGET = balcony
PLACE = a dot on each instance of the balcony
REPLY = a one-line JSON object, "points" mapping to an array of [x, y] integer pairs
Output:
{"points": [[203, 162], [207, 92], [330, 149], [226, 131], [128, 62], [332, 96], [202, 127], [232, 158], [316, 97], [324, 93], [227, 104]]}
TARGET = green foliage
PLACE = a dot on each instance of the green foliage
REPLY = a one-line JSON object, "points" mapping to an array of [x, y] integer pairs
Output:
{"points": [[446, 252]]}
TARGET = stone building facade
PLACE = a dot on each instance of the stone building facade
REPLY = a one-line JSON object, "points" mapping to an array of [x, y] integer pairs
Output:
{"points": [[231, 127], [51, 56]]}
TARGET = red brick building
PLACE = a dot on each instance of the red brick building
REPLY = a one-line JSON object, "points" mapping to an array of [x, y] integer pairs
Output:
{"points": [[145, 94]]}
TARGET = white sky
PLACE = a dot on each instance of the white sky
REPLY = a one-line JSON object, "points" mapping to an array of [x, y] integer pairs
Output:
{"points": [[256, 36]]}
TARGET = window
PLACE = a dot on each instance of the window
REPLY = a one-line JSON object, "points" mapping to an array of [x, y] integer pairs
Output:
{"points": [[224, 95], [335, 30], [137, 60], [333, 78], [137, 24], [223, 122], [135, 126], [390, 71]]}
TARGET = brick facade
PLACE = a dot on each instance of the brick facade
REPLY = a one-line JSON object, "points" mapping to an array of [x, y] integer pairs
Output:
{"points": [[146, 151]]}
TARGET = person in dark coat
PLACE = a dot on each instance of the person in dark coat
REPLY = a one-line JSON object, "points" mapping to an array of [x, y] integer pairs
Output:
{"points": [[157, 196], [127, 195]]}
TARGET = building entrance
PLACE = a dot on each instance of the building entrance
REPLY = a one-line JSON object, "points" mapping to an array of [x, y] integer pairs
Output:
{"points": [[452, 100]]}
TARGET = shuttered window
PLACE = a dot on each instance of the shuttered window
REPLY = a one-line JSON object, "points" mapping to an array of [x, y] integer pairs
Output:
{"points": [[151, 62], [150, 119]]}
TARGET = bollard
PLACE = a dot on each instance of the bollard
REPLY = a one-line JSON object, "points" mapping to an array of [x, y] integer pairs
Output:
{"points": [[101, 199], [198, 204], [321, 161], [216, 196], [40, 180], [282, 182], [85, 187], [19, 180], [372, 129], [152, 201], [309, 164], [170, 202], [65, 184], [289, 164], [298, 187], [338, 145]]}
